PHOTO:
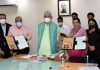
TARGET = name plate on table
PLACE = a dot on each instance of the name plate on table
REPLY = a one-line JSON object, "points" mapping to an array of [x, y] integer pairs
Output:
{"points": [[89, 68]]}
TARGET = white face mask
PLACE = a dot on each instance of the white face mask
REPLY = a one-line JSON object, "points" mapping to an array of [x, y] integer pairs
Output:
{"points": [[60, 23], [47, 20], [2, 21]]}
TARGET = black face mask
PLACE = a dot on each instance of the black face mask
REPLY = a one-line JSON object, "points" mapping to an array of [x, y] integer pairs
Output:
{"points": [[91, 26]]}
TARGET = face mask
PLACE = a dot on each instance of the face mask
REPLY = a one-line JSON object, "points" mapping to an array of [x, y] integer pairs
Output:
{"points": [[47, 20], [60, 23], [2, 21], [91, 26], [18, 24]]}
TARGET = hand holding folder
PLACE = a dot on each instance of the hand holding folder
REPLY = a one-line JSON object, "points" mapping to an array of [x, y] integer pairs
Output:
{"points": [[11, 43], [73, 43], [80, 42], [68, 43], [17, 42]]}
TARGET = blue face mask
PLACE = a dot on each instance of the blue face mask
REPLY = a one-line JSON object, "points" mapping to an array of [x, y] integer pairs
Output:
{"points": [[18, 24]]}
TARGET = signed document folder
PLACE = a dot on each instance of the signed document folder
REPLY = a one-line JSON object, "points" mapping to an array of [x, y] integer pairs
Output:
{"points": [[73, 43], [17, 42], [11, 43], [81, 44]]}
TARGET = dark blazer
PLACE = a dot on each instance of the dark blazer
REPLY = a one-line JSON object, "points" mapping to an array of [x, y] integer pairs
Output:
{"points": [[3, 44]]}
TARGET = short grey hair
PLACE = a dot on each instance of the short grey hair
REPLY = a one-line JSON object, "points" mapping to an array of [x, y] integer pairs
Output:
{"points": [[48, 12]]}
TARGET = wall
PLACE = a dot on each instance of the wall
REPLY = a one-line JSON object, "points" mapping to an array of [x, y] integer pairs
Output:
{"points": [[32, 13], [82, 7]]}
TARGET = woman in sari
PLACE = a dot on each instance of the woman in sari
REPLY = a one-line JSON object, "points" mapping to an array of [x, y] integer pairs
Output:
{"points": [[77, 31]]}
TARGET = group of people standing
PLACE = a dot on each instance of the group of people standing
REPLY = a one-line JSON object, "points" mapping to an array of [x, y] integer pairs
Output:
{"points": [[48, 36], [7, 29]]}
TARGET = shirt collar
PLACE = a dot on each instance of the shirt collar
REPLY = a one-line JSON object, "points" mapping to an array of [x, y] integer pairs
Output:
{"points": [[3, 24]]}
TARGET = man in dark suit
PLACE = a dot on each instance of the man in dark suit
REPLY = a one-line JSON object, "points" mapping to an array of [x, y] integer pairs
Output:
{"points": [[4, 28]]}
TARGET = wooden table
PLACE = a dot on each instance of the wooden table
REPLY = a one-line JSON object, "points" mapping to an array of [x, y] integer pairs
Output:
{"points": [[1, 59], [72, 66]]}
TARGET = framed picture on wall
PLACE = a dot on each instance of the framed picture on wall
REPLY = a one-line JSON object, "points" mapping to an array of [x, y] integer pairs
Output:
{"points": [[64, 8]]}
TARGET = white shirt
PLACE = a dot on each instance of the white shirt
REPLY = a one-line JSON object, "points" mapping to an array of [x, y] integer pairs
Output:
{"points": [[98, 25], [4, 28], [65, 30]]}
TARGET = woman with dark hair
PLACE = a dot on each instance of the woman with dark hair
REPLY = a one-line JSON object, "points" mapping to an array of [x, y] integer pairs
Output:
{"points": [[77, 31], [93, 36]]}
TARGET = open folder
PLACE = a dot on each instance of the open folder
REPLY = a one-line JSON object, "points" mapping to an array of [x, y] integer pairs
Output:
{"points": [[73, 43], [17, 42], [68, 43]]}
